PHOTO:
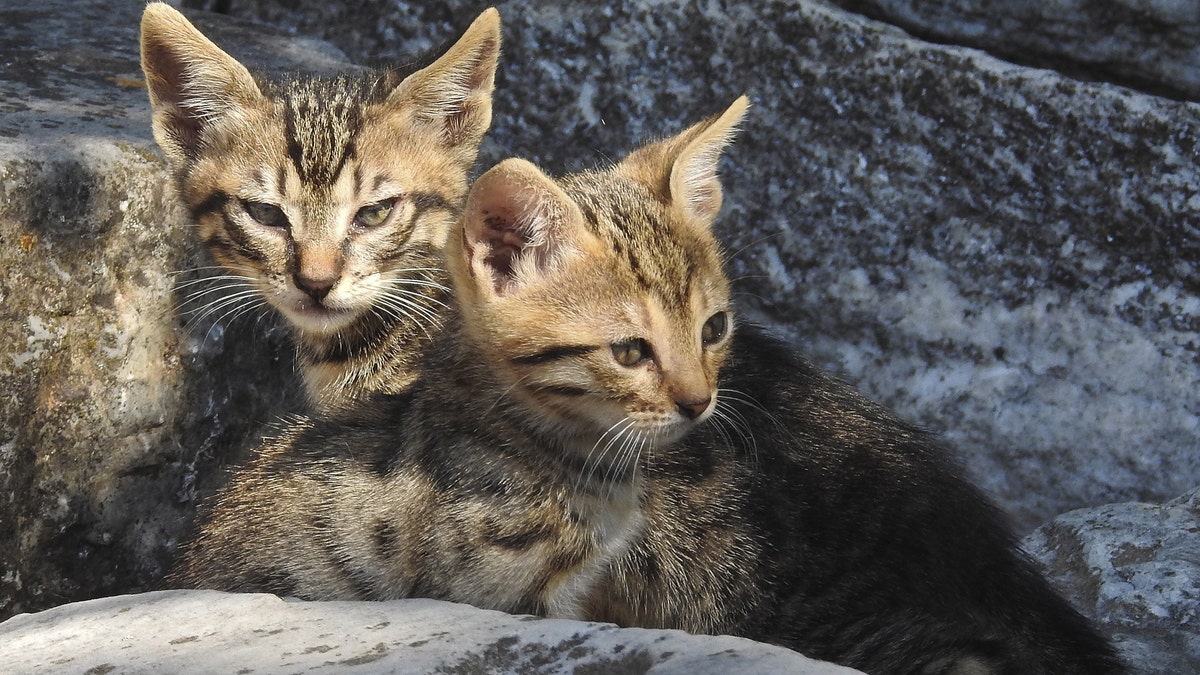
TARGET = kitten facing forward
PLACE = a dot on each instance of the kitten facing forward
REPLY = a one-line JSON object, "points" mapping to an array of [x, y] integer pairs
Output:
{"points": [[327, 198], [507, 475]]}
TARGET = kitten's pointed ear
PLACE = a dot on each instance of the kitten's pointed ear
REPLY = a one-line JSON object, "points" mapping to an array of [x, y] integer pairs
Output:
{"points": [[191, 81], [682, 170], [455, 92], [517, 229]]}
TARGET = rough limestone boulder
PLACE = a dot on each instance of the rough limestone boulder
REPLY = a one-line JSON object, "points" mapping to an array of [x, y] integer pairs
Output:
{"points": [[1136, 567], [194, 631], [111, 413], [1003, 254], [1149, 43]]}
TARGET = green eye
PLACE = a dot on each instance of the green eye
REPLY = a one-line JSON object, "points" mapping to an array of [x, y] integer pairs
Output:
{"points": [[631, 352], [715, 328], [374, 215], [265, 214]]}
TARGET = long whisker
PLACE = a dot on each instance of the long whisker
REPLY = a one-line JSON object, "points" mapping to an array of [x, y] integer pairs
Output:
{"points": [[217, 305], [408, 311], [398, 300], [725, 414], [407, 281], [624, 422], [208, 280], [396, 291], [505, 393], [634, 436], [204, 268], [632, 452], [760, 240], [747, 399]]}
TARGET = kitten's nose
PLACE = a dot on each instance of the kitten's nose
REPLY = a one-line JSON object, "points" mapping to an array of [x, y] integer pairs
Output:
{"points": [[694, 408], [317, 287]]}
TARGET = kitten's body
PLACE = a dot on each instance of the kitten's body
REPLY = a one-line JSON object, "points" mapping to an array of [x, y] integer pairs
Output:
{"points": [[328, 199], [402, 499], [484, 482], [833, 528], [505, 476]]}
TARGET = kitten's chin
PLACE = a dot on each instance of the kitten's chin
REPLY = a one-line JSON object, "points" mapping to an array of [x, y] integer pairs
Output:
{"points": [[311, 317]]}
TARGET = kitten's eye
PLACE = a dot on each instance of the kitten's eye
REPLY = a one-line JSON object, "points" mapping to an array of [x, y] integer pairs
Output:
{"points": [[715, 328], [631, 352], [374, 215], [265, 214]]}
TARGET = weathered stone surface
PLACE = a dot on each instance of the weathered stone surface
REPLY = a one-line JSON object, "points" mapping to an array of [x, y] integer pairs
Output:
{"points": [[1003, 254], [1152, 44], [1136, 567], [205, 631]]}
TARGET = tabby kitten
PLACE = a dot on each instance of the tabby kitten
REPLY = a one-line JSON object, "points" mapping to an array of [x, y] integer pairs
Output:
{"points": [[327, 198], [507, 475], [831, 527]]}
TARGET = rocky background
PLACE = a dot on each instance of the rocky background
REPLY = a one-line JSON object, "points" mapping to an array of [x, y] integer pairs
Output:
{"points": [[1002, 249]]}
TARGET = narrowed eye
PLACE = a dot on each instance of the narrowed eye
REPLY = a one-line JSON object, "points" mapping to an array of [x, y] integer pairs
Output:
{"points": [[374, 215], [631, 352], [715, 328], [265, 214]]}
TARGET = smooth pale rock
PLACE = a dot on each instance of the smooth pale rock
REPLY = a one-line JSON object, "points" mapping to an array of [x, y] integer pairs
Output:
{"points": [[1136, 568], [1146, 43], [206, 631]]}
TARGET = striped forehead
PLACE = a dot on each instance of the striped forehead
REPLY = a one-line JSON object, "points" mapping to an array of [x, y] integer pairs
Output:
{"points": [[635, 224], [322, 119]]}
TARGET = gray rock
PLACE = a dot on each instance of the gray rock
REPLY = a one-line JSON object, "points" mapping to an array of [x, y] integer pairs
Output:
{"points": [[111, 415], [1136, 568], [205, 631], [1151, 44], [1000, 253]]}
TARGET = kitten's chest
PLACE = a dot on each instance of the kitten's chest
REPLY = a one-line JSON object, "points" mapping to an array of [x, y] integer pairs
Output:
{"points": [[604, 528], [538, 552]]}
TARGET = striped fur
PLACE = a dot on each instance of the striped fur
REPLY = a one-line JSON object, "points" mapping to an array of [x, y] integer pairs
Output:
{"points": [[529, 469], [505, 476], [361, 296]]}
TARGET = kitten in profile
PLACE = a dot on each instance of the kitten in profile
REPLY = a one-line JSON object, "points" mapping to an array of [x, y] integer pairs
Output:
{"points": [[329, 199], [594, 436], [506, 475]]}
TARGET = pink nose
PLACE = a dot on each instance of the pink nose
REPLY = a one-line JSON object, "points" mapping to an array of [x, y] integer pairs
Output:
{"points": [[694, 408], [316, 287]]}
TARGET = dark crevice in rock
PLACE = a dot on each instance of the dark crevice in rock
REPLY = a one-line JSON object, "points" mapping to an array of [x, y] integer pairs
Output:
{"points": [[1108, 73]]}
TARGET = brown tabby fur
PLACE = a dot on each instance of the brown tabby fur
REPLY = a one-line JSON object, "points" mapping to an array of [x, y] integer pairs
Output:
{"points": [[361, 296], [505, 476], [717, 484]]}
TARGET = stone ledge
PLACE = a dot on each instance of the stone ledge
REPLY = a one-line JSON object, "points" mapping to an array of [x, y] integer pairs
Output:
{"points": [[193, 631]]}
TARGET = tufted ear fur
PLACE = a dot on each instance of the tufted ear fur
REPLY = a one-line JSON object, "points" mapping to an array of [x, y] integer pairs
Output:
{"points": [[682, 170], [518, 229], [455, 92], [192, 83]]}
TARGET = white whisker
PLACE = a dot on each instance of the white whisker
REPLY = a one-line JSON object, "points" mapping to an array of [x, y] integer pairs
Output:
{"points": [[623, 422], [505, 393]]}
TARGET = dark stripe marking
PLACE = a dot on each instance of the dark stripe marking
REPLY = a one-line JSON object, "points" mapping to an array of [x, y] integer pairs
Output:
{"points": [[554, 354], [214, 203], [559, 390]]}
